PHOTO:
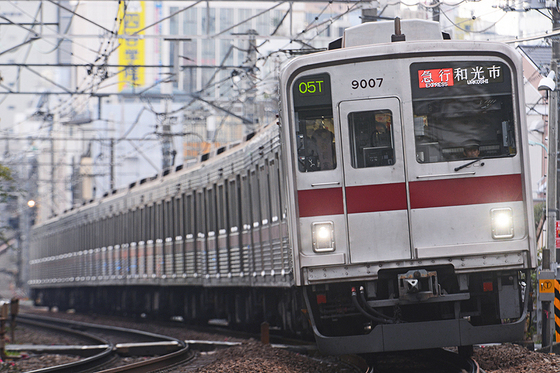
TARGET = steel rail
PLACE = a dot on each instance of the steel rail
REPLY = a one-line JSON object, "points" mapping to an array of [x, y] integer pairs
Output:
{"points": [[103, 359], [81, 365]]}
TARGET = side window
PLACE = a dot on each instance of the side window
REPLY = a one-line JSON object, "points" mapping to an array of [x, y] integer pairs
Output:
{"points": [[221, 208], [256, 199], [246, 203], [211, 210], [179, 216], [151, 223], [189, 209], [371, 138], [233, 202], [200, 213]]}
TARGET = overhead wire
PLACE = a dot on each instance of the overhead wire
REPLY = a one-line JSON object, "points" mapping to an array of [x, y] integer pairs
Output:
{"points": [[473, 31], [247, 19], [18, 75], [439, 3], [75, 55], [90, 82]]}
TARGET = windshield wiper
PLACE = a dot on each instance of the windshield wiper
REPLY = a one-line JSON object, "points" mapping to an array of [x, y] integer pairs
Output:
{"points": [[469, 163], [481, 158]]}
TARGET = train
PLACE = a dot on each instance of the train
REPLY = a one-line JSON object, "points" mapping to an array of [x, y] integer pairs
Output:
{"points": [[389, 208]]}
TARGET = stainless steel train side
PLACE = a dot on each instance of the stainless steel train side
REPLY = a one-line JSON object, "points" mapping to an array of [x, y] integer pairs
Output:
{"points": [[208, 240]]}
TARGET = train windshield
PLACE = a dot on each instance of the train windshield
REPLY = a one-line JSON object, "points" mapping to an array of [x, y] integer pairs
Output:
{"points": [[315, 140], [315, 137], [462, 110]]}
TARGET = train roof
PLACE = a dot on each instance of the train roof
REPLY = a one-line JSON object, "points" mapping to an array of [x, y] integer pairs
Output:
{"points": [[151, 182], [389, 31], [393, 40]]}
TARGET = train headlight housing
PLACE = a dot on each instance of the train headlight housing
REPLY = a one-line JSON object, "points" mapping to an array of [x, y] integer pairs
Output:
{"points": [[502, 223], [323, 236]]}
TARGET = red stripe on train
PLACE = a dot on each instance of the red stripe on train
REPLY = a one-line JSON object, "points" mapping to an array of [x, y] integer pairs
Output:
{"points": [[318, 202], [376, 198], [423, 194], [467, 191]]}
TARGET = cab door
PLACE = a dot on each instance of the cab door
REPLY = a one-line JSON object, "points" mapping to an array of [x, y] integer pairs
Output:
{"points": [[374, 180]]}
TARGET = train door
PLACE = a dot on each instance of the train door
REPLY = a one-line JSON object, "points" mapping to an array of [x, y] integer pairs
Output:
{"points": [[374, 180]]}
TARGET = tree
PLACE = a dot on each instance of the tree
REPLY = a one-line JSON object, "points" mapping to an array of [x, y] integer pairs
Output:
{"points": [[5, 186], [6, 191]]}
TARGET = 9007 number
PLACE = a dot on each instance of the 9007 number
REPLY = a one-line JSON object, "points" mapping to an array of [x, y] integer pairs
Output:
{"points": [[367, 83]]}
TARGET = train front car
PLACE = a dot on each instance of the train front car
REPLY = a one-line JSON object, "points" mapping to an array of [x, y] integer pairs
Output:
{"points": [[412, 225]]}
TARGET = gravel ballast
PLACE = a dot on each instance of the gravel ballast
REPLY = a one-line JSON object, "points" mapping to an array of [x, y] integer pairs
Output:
{"points": [[253, 356]]}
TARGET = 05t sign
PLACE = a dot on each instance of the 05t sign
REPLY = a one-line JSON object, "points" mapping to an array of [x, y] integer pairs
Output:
{"points": [[312, 90], [312, 87]]}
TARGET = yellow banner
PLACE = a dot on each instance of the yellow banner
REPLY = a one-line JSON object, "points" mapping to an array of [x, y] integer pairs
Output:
{"points": [[131, 51]]}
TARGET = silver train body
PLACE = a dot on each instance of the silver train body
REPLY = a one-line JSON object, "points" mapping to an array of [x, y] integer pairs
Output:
{"points": [[389, 210]]}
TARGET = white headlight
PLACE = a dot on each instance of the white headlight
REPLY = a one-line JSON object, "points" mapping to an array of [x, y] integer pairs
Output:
{"points": [[502, 223], [323, 236]]}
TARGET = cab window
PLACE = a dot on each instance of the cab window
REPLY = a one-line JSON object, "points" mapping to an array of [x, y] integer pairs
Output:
{"points": [[462, 110], [315, 141], [371, 138]]}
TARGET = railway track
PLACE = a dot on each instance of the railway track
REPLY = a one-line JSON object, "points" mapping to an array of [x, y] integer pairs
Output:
{"points": [[109, 344], [197, 354]]}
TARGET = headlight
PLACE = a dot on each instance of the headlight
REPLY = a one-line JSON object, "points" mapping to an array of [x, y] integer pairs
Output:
{"points": [[323, 236], [502, 223]]}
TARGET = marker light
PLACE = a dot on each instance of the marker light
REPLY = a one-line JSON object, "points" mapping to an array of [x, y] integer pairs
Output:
{"points": [[323, 236], [502, 223]]}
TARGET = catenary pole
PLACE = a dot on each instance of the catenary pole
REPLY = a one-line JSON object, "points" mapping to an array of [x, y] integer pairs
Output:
{"points": [[549, 253]]}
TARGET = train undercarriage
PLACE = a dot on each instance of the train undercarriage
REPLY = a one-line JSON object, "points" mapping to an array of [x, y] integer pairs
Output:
{"points": [[420, 308], [235, 307], [400, 310]]}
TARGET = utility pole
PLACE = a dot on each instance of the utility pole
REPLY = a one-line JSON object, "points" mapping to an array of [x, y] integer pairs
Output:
{"points": [[549, 253], [167, 157], [435, 10], [248, 84], [548, 274], [111, 165]]}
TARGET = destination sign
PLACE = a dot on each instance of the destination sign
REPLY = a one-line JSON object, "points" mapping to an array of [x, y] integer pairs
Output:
{"points": [[468, 75]]}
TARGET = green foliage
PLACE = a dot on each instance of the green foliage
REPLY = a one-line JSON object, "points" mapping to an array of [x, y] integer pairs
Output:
{"points": [[538, 211], [6, 190], [5, 186]]}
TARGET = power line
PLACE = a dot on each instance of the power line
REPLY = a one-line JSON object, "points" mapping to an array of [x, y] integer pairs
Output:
{"points": [[80, 16]]}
